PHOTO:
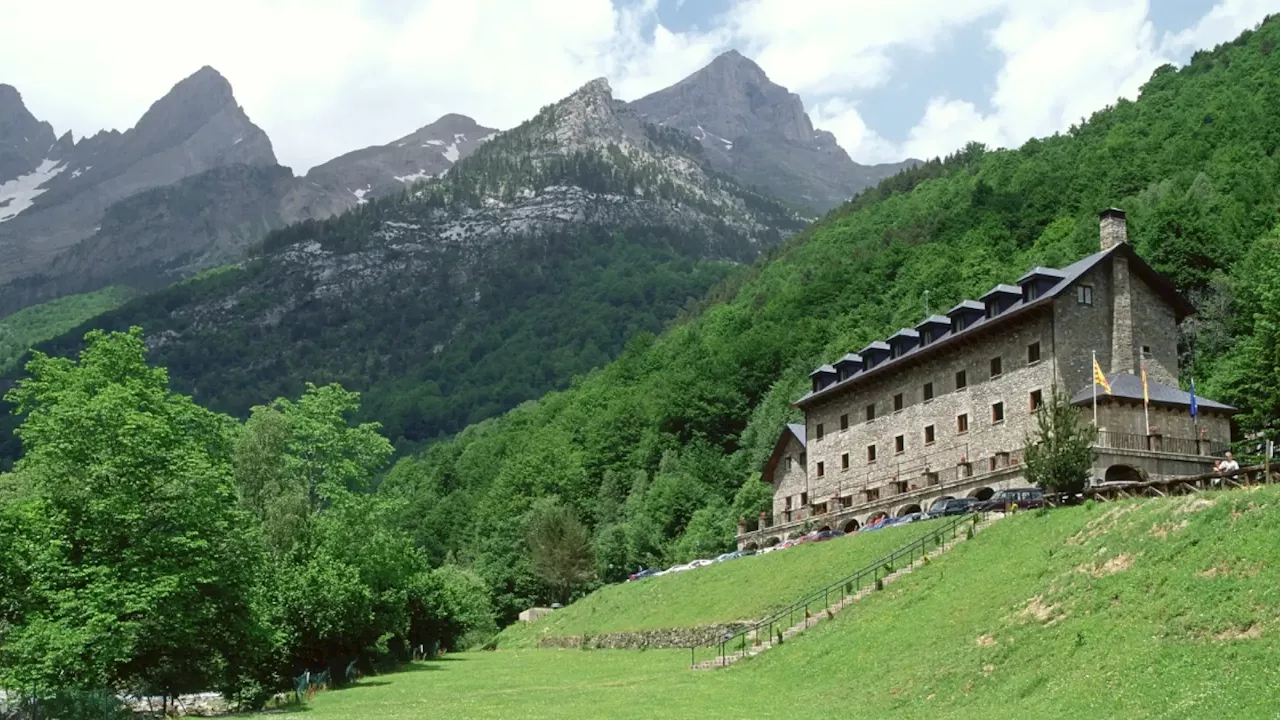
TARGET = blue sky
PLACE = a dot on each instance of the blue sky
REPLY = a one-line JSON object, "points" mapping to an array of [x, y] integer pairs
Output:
{"points": [[891, 78]]}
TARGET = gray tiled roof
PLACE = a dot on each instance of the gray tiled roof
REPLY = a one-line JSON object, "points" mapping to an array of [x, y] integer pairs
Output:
{"points": [[1042, 272], [798, 431], [1070, 274], [1129, 386], [1003, 288], [968, 305], [850, 357], [934, 320], [823, 369]]}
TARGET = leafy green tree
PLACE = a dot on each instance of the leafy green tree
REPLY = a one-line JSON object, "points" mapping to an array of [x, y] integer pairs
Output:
{"points": [[292, 459], [1059, 455], [450, 605], [129, 563], [560, 547]]}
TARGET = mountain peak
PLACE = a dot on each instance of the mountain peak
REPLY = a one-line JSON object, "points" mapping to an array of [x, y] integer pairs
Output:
{"points": [[24, 140]]}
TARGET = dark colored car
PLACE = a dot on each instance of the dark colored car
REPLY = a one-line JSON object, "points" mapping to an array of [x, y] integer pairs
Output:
{"points": [[826, 535], [1025, 498], [952, 506], [643, 574]]}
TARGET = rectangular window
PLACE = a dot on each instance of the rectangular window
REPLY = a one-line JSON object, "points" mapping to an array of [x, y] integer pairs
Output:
{"points": [[788, 463], [962, 423], [995, 367], [844, 461], [926, 337], [966, 469], [844, 421], [1037, 399], [928, 434], [819, 431], [1146, 351], [897, 402], [1084, 294], [804, 496], [871, 412], [871, 453], [899, 444], [962, 381], [821, 469], [993, 463], [788, 502], [997, 413], [928, 391], [1033, 353]]}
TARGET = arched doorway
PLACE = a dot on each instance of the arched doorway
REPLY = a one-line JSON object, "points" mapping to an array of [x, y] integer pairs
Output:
{"points": [[1123, 473], [795, 535], [982, 493], [907, 510], [751, 546], [775, 540], [877, 517], [824, 528], [851, 526]]}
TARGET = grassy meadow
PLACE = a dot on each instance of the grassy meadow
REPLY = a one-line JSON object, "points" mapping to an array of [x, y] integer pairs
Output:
{"points": [[744, 589], [1163, 608]]}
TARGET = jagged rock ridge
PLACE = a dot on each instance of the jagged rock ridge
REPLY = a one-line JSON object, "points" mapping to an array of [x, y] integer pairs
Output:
{"points": [[758, 132]]}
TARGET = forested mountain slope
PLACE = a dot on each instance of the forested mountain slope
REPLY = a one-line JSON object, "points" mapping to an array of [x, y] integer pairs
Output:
{"points": [[532, 260], [652, 449]]}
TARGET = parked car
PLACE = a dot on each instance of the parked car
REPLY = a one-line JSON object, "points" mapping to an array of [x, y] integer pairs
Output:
{"points": [[1025, 498], [910, 518], [826, 535], [643, 574], [882, 522], [952, 506]]}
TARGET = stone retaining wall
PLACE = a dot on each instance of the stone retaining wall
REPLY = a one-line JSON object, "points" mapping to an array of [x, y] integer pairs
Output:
{"points": [[687, 637]]}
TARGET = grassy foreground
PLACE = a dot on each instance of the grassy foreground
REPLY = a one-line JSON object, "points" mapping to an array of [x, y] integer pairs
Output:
{"points": [[743, 589], [1163, 608]]}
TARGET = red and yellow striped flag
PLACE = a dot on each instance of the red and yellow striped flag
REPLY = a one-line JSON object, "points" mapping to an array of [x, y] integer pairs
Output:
{"points": [[1101, 379], [1146, 400]]}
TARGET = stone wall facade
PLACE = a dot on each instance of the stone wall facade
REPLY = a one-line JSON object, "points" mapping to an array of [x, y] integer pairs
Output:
{"points": [[662, 638], [975, 440], [790, 481]]}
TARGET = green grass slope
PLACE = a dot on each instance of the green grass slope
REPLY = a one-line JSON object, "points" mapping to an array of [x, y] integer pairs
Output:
{"points": [[29, 326], [744, 589], [1166, 608]]}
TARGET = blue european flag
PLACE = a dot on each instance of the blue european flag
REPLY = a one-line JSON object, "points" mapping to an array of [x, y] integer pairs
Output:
{"points": [[1193, 397]]}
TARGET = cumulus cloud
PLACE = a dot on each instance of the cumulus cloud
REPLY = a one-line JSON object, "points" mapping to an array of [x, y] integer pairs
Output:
{"points": [[323, 77]]}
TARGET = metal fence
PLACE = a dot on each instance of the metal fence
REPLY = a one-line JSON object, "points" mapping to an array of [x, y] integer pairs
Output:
{"points": [[846, 587]]}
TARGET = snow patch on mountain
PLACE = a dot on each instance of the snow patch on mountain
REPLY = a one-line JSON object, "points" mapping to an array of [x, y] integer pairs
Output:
{"points": [[21, 192]]}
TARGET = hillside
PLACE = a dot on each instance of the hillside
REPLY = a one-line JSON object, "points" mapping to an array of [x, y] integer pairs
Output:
{"points": [[678, 424], [1145, 609], [21, 330], [532, 260], [745, 589]]}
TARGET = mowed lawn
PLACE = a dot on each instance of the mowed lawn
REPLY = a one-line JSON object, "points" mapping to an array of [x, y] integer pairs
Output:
{"points": [[1165, 608], [743, 589]]}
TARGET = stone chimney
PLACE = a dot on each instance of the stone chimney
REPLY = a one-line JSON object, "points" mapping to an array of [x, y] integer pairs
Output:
{"points": [[1112, 232], [1111, 228]]}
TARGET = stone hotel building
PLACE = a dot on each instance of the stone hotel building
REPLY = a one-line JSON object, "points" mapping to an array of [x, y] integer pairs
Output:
{"points": [[943, 409]]}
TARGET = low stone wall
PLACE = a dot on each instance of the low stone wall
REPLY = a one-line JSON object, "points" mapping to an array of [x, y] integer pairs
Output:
{"points": [[686, 637]]}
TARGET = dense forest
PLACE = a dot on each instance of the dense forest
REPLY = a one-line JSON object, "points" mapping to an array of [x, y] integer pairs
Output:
{"points": [[658, 452]]}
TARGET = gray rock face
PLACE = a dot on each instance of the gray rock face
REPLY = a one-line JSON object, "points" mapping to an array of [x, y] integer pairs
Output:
{"points": [[422, 155], [59, 191], [24, 140], [758, 132]]}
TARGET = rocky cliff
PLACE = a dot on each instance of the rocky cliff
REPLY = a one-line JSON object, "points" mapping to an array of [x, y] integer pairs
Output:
{"points": [[384, 169], [56, 194], [758, 132]]}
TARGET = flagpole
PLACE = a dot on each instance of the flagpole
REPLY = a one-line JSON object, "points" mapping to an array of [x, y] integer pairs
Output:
{"points": [[1146, 403], [1095, 391]]}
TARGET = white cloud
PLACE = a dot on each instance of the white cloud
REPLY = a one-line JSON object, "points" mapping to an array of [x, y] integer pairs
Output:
{"points": [[845, 122], [326, 76], [323, 77]]}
